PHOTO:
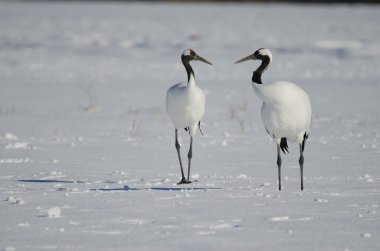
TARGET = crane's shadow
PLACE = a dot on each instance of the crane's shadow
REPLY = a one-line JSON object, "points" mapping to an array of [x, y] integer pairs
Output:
{"points": [[167, 189], [51, 181], [124, 188]]}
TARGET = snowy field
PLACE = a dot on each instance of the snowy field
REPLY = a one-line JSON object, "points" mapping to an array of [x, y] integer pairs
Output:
{"points": [[87, 157]]}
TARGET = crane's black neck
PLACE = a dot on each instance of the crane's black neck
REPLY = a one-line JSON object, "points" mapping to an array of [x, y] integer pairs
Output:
{"points": [[189, 69], [265, 61]]}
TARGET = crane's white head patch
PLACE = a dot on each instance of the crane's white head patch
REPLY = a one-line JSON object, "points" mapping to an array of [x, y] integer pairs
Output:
{"points": [[265, 52], [188, 52]]}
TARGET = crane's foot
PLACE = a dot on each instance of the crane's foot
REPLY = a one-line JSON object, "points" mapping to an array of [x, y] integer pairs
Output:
{"points": [[184, 181]]}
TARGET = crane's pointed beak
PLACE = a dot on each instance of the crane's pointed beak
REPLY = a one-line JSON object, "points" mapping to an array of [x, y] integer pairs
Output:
{"points": [[202, 59], [250, 57]]}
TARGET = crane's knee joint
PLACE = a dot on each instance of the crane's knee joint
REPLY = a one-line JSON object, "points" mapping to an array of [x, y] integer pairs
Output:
{"points": [[190, 154], [177, 145], [301, 160], [279, 162]]}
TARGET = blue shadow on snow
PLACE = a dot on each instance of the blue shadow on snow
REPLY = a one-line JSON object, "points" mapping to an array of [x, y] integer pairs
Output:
{"points": [[126, 188], [52, 181]]}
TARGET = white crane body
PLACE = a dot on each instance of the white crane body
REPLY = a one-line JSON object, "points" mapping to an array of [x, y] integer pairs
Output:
{"points": [[185, 106], [285, 112]]}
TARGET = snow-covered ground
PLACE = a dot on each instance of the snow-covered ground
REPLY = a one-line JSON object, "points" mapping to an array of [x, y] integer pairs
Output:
{"points": [[87, 157]]}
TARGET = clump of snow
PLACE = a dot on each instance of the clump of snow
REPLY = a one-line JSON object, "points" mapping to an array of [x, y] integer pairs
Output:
{"points": [[136, 221], [119, 172], [206, 232], [370, 180], [242, 176], [269, 196], [15, 161], [25, 224], [265, 184], [321, 200], [221, 226], [10, 136], [279, 218], [366, 235], [14, 200], [20, 201], [18, 145], [305, 219], [54, 212]]}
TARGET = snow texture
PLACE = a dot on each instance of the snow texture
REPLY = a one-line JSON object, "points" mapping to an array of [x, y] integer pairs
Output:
{"points": [[87, 156]]}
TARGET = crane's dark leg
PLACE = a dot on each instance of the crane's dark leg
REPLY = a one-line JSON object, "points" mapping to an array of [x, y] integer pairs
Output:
{"points": [[190, 155], [279, 161], [177, 146], [302, 146]]}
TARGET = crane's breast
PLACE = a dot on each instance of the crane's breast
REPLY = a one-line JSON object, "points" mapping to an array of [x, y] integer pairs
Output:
{"points": [[287, 111], [185, 106]]}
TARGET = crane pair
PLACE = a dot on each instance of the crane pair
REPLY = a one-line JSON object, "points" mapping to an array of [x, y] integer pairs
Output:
{"points": [[285, 111]]}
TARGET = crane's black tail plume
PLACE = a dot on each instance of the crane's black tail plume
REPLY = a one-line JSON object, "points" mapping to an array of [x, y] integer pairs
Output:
{"points": [[200, 127], [284, 145], [187, 129]]}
